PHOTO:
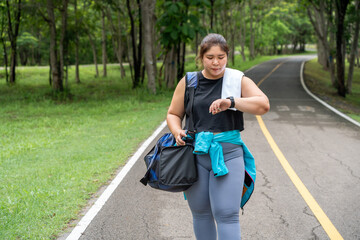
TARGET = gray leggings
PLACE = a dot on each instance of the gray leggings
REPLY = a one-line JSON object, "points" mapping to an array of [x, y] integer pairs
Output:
{"points": [[218, 197]]}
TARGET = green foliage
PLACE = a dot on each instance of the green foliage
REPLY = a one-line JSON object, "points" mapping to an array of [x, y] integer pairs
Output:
{"points": [[286, 23], [27, 40], [179, 23]]}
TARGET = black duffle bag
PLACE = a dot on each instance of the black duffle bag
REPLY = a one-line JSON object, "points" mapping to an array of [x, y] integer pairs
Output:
{"points": [[169, 167]]}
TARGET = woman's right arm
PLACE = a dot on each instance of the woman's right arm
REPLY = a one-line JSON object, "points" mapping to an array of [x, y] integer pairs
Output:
{"points": [[176, 113]]}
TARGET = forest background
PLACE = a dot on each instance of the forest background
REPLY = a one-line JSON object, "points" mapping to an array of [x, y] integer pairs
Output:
{"points": [[79, 76], [60, 33]]}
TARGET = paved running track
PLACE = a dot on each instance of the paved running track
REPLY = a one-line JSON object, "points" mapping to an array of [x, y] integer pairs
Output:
{"points": [[322, 148]]}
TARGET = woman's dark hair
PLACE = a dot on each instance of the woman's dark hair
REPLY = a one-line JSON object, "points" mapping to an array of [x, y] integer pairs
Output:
{"points": [[209, 41]]}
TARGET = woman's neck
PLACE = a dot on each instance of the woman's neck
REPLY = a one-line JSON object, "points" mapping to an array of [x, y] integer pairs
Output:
{"points": [[210, 76]]}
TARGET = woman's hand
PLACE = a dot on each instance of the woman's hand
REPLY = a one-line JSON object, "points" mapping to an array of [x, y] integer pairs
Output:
{"points": [[178, 137], [219, 105]]}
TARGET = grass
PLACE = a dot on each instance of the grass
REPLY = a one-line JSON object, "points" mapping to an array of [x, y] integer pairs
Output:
{"points": [[57, 151], [318, 81], [55, 154]]}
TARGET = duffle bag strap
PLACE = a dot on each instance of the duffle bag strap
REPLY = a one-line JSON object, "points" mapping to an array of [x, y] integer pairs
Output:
{"points": [[191, 79]]}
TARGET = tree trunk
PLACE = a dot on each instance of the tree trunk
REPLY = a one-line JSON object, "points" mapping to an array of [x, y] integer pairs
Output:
{"points": [[148, 8], [353, 48], [77, 74], [212, 14], [252, 37], [140, 47], [56, 81], [50, 70], [13, 34], [170, 72], [120, 48], [322, 55], [23, 55], [156, 43], [4, 48], [116, 40], [341, 6], [103, 43], [242, 30], [129, 57], [63, 37], [181, 63], [136, 55], [93, 48], [5, 59], [233, 46]]}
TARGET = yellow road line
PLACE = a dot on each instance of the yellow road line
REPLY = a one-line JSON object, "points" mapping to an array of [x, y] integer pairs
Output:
{"points": [[263, 79], [309, 199], [325, 222]]}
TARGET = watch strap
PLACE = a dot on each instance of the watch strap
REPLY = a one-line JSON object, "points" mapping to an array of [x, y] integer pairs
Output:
{"points": [[232, 100]]}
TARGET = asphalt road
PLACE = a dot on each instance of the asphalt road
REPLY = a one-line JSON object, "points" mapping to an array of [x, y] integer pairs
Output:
{"points": [[322, 148]]}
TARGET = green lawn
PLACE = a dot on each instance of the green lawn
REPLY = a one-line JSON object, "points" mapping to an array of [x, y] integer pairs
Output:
{"points": [[56, 152], [318, 81]]}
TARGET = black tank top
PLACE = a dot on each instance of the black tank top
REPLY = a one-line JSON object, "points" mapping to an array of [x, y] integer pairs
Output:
{"points": [[207, 91]]}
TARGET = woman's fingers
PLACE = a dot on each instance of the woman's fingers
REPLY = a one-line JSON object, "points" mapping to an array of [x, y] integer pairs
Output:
{"points": [[217, 106], [179, 137]]}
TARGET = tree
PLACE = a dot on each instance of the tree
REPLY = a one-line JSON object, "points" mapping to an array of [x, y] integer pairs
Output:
{"points": [[136, 43], [148, 8], [354, 46], [63, 38], [103, 42], [178, 25], [57, 82], [252, 33], [242, 28], [212, 2], [320, 15], [13, 32], [26, 44], [56, 54], [77, 74], [117, 31], [3, 39], [90, 13], [341, 6]]}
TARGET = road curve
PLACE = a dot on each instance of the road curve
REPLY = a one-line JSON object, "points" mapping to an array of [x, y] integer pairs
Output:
{"points": [[321, 147]]}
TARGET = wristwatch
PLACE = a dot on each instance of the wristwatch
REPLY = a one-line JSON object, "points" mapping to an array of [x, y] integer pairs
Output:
{"points": [[232, 100]]}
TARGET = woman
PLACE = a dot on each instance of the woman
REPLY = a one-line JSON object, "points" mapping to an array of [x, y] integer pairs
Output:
{"points": [[215, 199]]}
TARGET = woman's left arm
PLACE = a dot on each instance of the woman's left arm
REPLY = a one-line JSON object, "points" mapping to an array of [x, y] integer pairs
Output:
{"points": [[252, 100]]}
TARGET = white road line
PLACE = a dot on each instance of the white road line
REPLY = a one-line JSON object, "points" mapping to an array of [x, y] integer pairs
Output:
{"points": [[93, 211], [321, 101]]}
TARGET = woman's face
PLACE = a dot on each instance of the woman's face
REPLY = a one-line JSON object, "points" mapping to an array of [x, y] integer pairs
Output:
{"points": [[214, 62]]}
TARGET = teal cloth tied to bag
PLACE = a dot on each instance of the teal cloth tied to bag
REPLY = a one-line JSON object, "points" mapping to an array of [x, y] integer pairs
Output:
{"points": [[208, 143]]}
